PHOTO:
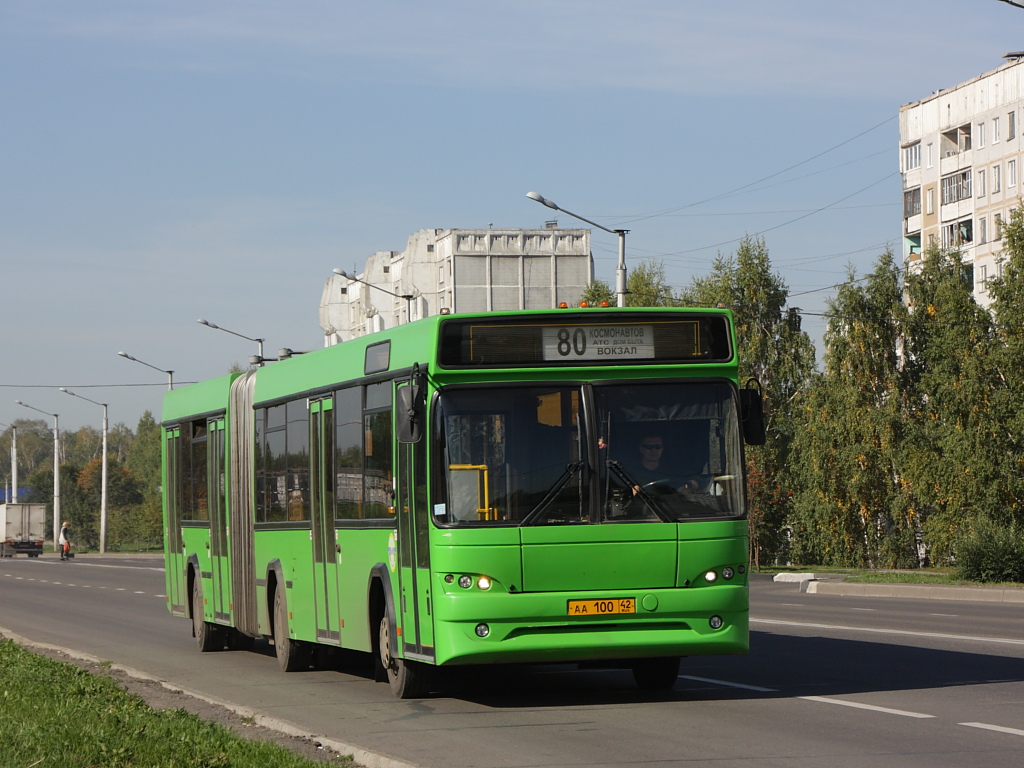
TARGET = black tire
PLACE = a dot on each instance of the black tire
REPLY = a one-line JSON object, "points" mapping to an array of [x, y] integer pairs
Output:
{"points": [[209, 637], [656, 674], [408, 679], [292, 656]]}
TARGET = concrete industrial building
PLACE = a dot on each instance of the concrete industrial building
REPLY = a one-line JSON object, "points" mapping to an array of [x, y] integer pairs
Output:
{"points": [[960, 162], [459, 270]]}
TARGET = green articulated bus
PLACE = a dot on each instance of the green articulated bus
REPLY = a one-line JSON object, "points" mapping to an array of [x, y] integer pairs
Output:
{"points": [[518, 487]]}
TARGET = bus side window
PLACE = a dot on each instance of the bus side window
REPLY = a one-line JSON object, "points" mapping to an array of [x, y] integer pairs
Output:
{"points": [[348, 471]]}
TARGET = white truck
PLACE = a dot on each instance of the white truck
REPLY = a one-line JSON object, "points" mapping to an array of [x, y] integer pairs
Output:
{"points": [[23, 526]]}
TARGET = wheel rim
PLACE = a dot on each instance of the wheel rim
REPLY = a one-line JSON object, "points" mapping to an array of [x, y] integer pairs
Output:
{"points": [[385, 644], [280, 622]]}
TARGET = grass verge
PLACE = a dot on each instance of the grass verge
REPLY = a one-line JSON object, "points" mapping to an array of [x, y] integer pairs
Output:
{"points": [[56, 714]]}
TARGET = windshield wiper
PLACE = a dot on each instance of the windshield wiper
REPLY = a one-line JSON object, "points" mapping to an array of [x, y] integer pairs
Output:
{"points": [[631, 482], [570, 470]]}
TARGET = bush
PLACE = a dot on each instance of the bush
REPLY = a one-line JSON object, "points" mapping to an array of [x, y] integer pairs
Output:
{"points": [[991, 552]]}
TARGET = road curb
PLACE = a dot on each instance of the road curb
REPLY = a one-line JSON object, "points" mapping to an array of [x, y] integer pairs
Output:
{"points": [[359, 755], [918, 591]]}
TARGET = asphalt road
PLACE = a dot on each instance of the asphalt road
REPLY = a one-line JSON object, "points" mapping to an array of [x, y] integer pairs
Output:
{"points": [[830, 681]]}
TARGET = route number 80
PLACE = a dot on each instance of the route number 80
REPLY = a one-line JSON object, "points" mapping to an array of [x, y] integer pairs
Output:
{"points": [[572, 342]]}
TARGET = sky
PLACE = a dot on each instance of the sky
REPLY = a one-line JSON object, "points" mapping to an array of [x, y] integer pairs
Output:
{"points": [[170, 160]]}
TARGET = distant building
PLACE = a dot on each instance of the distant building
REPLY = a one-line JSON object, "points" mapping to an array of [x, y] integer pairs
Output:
{"points": [[960, 160], [461, 270]]}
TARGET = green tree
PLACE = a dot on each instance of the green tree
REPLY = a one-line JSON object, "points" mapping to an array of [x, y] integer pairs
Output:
{"points": [[851, 508], [774, 350], [1007, 379], [144, 462], [35, 447], [647, 286], [72, 506], [124, 502], [951, 448]]}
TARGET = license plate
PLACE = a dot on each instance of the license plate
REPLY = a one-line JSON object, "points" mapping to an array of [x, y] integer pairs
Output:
{"points": [[602, 607]]}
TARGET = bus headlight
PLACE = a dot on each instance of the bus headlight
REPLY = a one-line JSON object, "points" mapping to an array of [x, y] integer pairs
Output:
{"points": [[465, 582], [710, 577], [483, 582], [727, 572], [482, 630]]}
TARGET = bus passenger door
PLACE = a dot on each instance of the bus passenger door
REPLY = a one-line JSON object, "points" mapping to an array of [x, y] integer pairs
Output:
{"points": [[325, 545], [413, 548], [220, 561], [174, 565]]}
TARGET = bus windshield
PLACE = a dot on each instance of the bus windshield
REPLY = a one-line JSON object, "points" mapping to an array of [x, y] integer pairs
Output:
{"points": [[536, 455], [669, 451]]}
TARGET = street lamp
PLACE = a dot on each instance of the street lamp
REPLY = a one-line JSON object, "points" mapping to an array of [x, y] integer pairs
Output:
{"points": [[259, 342], [407, 296], [103, 488], [56, 469], [620, 270], [170, 374], [14, 463]]}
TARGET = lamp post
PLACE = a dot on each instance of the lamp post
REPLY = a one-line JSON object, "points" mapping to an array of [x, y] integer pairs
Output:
{"points": [[170, 374], [620, 270], [56, 469], [14, 463], [259, 342], [407, 296], [103, 487]]}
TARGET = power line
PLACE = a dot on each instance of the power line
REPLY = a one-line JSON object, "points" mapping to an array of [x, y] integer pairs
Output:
{"points": [[785, 223], [87, 386], [763, 179]]}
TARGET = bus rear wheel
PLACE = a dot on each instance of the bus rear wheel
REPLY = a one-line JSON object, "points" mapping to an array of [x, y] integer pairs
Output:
{"points": [[292, 656], [208, 636], [656, 674], [408, 679]]}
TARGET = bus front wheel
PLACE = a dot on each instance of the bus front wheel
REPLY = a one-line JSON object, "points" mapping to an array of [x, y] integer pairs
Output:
{"points": [[408, 679]]}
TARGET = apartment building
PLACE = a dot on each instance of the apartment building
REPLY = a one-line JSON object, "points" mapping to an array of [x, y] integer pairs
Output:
{"points": [[960, 161], [458, 270]]}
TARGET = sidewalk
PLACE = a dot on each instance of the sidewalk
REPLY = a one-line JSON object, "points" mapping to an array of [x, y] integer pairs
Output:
{"points": [[830, 584]]}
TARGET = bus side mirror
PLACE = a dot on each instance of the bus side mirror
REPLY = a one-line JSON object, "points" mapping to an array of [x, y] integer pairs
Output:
{"points": [[752, 413], [409, 410]]}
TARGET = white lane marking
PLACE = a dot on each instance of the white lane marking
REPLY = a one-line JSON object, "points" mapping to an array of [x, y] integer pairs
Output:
{"points": [[728, 684], [870, 707], [138, 592], [1000, 728], [864, 610], [871, 630], [946, 615], [821, 699]]}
